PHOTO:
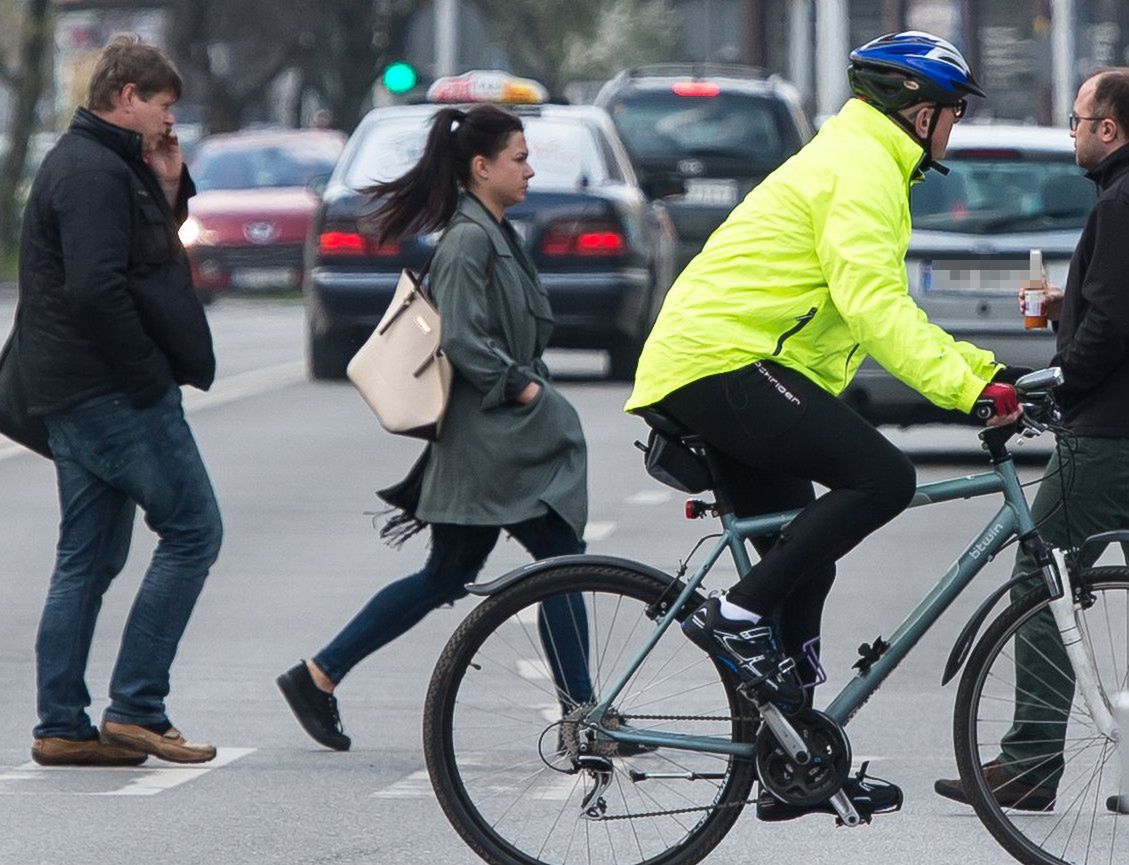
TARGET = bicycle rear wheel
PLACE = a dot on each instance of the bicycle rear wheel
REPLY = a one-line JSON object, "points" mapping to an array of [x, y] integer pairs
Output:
{"points": [[501, 726], [1019, 671]]}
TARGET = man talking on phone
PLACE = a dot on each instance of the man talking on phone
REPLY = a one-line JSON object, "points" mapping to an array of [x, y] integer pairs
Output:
{"points": [[110, 327]]}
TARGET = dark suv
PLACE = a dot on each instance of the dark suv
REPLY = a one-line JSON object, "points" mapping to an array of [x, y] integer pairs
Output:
{"points": [[701, 137]]}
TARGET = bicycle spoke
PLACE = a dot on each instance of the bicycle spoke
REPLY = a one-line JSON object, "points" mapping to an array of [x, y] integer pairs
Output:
{"points": [[1023, 690], [503, 701]]}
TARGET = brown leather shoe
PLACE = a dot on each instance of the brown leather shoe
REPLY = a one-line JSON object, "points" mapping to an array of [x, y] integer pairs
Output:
{"points": [[1009, 792], [57, 751], [170, 745]]}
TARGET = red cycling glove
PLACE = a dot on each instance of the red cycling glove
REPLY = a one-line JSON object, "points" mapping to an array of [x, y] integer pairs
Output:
{"points": [[1003, 397]]}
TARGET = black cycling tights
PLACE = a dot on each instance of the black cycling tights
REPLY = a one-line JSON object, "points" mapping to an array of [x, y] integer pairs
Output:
{"points": [[774, 432]]}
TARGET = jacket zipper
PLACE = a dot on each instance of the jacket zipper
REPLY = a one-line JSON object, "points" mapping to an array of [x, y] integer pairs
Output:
{"points": [[801, 323]]}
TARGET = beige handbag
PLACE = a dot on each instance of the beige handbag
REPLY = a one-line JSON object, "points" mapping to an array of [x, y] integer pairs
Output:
{"points": [[400, 370]]}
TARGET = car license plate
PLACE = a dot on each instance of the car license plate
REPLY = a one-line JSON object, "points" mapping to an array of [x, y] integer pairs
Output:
{"points": [[712, 191], [973, 276], [264, 277]]}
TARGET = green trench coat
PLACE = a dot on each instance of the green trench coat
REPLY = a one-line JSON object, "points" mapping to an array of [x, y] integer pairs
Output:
{"points": [[496, 462]]}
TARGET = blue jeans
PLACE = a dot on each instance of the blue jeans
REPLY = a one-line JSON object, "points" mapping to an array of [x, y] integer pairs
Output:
{"points": [[457, 555], [109, 458]]}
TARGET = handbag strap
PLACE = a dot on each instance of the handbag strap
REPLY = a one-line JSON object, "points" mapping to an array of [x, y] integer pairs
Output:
{"points": [[490, 264]]}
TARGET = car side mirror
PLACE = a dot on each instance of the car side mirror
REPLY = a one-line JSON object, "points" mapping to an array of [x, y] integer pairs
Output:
{"points": [[664, 186], [317, 184]]}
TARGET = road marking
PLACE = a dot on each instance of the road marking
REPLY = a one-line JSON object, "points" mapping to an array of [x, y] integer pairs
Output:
{"points": [[246, 384], [533, 670], [649, 497], [414, 786], [599, 531], [417, 785], [225, 390], [142, 780]]}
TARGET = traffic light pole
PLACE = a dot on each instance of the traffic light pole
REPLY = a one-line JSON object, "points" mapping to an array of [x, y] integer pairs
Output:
{"points": [[446, 37]]}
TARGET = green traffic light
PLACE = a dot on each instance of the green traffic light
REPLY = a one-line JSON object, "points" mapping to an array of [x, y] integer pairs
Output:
{"points": [[399, 77]]}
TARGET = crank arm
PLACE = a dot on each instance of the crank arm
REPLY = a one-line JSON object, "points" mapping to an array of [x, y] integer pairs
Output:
{"points": [[785, 733], [843, 806]]}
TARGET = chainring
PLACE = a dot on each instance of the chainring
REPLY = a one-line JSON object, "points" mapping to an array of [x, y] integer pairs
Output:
{"points": [[819, 779]]}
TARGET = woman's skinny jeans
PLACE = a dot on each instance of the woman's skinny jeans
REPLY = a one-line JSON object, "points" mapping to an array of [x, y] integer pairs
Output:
{"points": [[457, 555]]}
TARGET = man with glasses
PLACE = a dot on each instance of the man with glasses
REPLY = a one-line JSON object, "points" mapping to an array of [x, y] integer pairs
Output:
{"points": [[1085, 488]]}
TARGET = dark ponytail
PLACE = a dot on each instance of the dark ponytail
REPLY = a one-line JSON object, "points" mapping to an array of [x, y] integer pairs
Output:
{"points": [[424, 199]]}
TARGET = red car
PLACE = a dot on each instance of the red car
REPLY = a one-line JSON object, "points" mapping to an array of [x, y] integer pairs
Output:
{"points": [[247, 225]]}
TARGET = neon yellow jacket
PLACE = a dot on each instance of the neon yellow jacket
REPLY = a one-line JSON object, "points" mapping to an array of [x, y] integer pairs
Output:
{"points": [[809, 272]]}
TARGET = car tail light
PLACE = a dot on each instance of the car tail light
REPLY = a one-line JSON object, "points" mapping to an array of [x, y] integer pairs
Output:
{"points": [[583, 238], [695, 88], [354, 243]]}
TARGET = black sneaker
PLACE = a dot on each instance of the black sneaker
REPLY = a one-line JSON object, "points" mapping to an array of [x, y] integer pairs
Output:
{"points": [[868, 795], [749, 650], [315, 709]]}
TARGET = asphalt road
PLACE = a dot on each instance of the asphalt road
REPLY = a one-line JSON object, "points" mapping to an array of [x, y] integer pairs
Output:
{"points": [[295, 465]]}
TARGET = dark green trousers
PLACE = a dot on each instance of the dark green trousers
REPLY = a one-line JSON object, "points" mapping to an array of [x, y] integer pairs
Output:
{"points": [[1095, 480]]}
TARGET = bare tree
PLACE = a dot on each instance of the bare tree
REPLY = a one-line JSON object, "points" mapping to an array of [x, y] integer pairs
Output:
{"points": [[231, 53], [536, 33], [25, 78]]}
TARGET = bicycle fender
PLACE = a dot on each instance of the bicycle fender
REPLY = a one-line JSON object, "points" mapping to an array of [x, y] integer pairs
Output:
{"points": [[963, 644], [526, 571]]}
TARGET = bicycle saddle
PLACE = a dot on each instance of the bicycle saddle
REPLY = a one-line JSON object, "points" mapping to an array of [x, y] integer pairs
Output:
{"points": [[659, 420]]}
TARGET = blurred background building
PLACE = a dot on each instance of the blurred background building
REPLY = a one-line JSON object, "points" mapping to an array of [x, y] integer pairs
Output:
{"points": [[1029, 54]]}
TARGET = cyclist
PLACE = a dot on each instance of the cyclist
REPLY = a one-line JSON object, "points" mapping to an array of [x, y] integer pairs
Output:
{"points": [[770, 321]]}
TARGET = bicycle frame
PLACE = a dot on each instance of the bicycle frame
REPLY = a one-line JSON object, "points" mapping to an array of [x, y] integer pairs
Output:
{"points": [[1011, 520]]}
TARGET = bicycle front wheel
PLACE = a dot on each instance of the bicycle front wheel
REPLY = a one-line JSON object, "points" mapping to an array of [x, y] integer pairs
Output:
{"points": [[1034, 763], [509, 755]]}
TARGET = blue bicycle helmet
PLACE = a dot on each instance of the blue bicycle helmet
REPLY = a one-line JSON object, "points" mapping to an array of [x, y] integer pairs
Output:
{"points": [[897, 70]]}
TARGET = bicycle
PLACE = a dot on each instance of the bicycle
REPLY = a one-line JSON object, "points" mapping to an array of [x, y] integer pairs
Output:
{"points": [[657, 762]]}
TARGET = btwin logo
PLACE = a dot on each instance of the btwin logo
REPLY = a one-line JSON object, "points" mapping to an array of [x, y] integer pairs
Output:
{"points": [[981, 546]]}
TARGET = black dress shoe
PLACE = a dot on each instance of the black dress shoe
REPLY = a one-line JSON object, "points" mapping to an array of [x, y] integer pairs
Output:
{"points": [[315, 709], [1009, 792]]}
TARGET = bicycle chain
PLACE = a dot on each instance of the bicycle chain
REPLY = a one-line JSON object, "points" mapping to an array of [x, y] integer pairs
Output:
{"points": [[646, 814]]}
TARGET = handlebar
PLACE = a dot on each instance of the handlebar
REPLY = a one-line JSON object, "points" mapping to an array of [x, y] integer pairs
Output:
{"points": [[1035, 391]]}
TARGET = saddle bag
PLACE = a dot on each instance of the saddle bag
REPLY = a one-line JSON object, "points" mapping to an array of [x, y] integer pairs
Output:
{"points": [[671, 462]]}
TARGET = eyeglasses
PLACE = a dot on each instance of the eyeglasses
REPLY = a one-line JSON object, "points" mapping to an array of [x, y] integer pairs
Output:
{"points": [[959, 108], [1075, 119]]}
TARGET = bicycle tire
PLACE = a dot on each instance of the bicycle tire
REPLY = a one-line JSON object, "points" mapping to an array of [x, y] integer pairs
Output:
{"points": [[465, 794], [1077, 828]]}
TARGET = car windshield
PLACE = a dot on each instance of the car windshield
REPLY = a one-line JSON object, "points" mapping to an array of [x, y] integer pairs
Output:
{"points": [[563, 153], [260, 167], [665, 126], [989, 193]]}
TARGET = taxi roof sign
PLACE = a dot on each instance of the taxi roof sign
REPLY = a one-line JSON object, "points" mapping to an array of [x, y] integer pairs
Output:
{"points": [[487, 86]]}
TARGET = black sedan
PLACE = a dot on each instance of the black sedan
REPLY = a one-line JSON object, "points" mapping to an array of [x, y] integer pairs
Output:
{"points": [[604, 252]]}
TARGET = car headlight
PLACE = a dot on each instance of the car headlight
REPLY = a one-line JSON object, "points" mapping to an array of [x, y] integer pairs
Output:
{"points": [[190, 231]]}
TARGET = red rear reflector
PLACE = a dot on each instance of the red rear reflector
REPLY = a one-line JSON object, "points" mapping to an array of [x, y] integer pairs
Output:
{"points": [[386, 250], [353, 243], [341, 243], [599, 243], [696, 88], [583, 239]]}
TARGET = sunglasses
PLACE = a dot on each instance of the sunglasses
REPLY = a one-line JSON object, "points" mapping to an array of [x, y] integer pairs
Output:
{"points": [[959, 108]]}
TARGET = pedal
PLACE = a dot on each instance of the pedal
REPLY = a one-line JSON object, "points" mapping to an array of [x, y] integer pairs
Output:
{"points": [[845, 809]]}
